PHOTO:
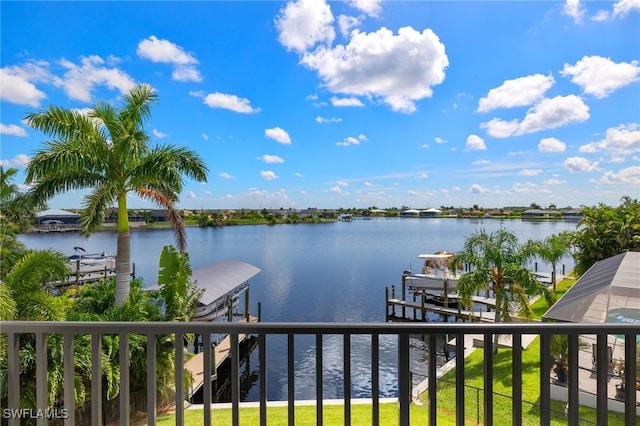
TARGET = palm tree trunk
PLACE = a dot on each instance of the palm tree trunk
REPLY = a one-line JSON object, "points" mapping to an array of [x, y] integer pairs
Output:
{"points": [[123, 256], [123, 267]]}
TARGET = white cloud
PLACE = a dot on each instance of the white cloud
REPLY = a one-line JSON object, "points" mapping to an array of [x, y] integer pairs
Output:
{"points": [[158, 134], [304, 24], [400, 69], [13, 130], [529, 188], [164, 51], [575, 9], [225, 175], [518, 92], [336, 189], [350, 140], [580, 164], [422, 176], [628, 176], [481, 162], [475, 143], [554, 181], [600, 76], [19, 160], [622, 7], [279, 135], [230, 102], [478, 189], [186, 73], [192, 194], [547, 114], [268, 175], [621, 140], [346, 23], [440, 140], [342, 183], [369, 7], [205, 136], [16, 86], [551, 145], [346, 102], [79, 81], [271, 159], [530, 172], [328, 120]]}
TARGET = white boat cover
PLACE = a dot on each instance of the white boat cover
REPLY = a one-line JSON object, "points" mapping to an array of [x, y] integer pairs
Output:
{"points": [[219, 278]]}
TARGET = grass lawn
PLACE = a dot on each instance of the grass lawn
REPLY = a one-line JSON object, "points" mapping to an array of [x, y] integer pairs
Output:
{"points": [[304, 415]]}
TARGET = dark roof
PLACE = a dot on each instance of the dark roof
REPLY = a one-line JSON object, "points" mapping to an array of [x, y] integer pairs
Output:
{"points": [[609, 289]]}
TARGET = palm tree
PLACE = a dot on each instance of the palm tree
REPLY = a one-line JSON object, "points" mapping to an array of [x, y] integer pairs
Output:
{"points": [[108, 151], [497, 263], [551, 250]]}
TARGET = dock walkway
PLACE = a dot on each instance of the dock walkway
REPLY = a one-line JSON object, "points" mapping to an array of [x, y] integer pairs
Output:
{"points": [[219, 354], [442, 310]]}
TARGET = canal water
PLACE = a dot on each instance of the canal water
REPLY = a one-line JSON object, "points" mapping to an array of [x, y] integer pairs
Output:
{"points": [[335, 272]]}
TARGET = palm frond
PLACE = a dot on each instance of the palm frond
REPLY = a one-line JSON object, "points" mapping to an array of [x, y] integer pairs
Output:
{"points": [[166, 202]]}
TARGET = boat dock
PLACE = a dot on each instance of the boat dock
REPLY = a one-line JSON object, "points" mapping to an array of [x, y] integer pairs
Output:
{"points": [[84, 271], [437, 303], [219, 355]]}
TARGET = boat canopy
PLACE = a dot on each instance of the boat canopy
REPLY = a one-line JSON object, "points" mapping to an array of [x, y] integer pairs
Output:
{"points": [[219, 278], [435, 256]]}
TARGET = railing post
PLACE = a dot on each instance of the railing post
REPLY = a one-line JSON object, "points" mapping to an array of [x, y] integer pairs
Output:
{"points": [[630, 372], [69, 380], [291, 397], [13, 375], [262, 355], [209, 371], [347, 378], [516, 373], [602, 369], [545, 380], [96, 379], [235, 380], [460, 405], [403, 379], [375, 379], [319, 384], [125, 392], [178, 348], [152, 401], [573, 412], [488, 379], [42, 395], [432, 392]]}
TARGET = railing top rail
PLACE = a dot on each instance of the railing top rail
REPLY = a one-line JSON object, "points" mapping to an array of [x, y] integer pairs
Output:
{"points": [[545, 328]]}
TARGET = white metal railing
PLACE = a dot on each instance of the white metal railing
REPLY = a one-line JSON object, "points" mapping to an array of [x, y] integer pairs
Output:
{"points": [[13, 330]]}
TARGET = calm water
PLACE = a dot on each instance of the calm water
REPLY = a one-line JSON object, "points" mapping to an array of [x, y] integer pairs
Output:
{"points": [[333, 272]]}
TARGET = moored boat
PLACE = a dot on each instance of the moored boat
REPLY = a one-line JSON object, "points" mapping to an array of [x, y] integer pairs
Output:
{"points": [[435, 275]]}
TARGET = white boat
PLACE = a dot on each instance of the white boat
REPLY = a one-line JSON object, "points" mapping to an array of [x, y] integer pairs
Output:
{"points": [[90, 262], [435, 275]]}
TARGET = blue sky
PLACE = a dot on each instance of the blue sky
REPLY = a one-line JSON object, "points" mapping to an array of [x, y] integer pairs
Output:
{"points": [[350, 104]]}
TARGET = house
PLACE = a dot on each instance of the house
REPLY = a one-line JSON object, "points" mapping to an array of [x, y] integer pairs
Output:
{"points": [[432, 212], [57, 216]]}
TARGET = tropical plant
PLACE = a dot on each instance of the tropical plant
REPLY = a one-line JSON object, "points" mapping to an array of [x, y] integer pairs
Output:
{"points": [[180, 295], [15, 206], [606, 231], [498, 264], [108, 151], [551, 250]]}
